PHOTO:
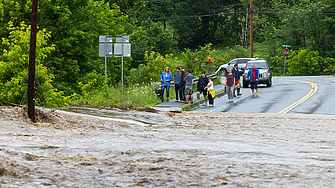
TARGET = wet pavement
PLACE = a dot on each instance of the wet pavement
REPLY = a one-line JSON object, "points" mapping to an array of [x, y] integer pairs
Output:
{"points": [[284, 92]]}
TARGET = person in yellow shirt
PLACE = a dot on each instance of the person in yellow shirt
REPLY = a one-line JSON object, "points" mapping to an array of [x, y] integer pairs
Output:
{"points": [[210, 91]]}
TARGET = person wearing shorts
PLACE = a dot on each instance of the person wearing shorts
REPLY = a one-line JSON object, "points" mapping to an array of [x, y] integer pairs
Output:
{"points": [[188, 86], [253, 76]]}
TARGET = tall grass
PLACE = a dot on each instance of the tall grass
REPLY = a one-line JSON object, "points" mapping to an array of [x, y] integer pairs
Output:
{"points": [[137, 96]]}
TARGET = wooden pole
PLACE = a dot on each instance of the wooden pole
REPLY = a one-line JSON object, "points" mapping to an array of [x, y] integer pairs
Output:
{"points": [[32, 58], [251, 33]]}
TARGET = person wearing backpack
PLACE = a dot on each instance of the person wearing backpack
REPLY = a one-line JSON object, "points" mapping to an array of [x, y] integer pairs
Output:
{"points": [[236, 72]]}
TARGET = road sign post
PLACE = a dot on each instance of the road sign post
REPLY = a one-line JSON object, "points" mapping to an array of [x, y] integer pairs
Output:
{"points": [[120, 50], [286, 52]]}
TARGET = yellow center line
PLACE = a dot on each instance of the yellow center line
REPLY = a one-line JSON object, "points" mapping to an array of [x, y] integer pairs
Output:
{"points": [[306, 97]]}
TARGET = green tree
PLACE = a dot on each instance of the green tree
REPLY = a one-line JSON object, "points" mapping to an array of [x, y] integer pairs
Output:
{"points": [[75, 27], [14, 68]]}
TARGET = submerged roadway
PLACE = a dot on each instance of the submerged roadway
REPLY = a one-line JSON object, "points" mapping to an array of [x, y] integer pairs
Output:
{"points": [[303, 95]]}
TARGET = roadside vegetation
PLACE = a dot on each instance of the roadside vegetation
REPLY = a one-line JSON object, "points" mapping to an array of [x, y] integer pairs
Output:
{"points": [[68, 68]]}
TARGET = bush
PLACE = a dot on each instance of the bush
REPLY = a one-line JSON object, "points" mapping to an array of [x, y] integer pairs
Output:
{"points": [[304, 63]]}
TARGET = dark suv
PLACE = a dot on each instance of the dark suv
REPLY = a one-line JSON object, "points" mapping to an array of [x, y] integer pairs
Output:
{"points": [[223, 69], [265, 74]]}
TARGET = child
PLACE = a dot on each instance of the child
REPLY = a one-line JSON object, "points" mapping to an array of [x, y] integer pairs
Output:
{"points": [[210, 91]]}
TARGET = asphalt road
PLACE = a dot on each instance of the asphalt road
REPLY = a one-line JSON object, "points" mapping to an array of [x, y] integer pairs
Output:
{"points": [[303, 95]]}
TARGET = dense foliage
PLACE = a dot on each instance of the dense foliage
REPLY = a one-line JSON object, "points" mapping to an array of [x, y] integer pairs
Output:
{"points": [[201, 33], [14, 69]]}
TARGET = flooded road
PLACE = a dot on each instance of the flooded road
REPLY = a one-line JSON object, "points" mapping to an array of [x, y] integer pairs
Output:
{"points": [[166, 149]]}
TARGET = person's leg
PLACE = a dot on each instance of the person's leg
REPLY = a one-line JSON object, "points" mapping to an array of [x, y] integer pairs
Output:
{"points": [[205, 95], [163, 88], [176, 89], [210, 99], [198, 94], [239, 89], [180, 93], [167, 93], [232, 92], [182, 96], [256, 86], [187, 92], [252, 86], [229, 92]]}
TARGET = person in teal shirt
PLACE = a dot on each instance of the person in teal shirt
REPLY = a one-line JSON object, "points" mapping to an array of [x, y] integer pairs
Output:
{"points": [[166, 78], [177, 81]]}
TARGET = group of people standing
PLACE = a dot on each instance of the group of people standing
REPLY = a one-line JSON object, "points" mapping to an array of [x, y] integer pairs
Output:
{"points": [[184, 86], [232, 82]]}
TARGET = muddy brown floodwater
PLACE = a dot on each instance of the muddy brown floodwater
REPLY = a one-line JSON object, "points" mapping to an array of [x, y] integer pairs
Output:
{"points": [[180, 150]]}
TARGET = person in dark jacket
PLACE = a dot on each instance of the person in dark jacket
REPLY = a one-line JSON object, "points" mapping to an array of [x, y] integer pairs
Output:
{"points": [[236, 72], [202, 83]]}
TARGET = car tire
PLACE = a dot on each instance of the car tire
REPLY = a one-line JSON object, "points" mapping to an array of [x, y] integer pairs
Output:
{"points": [[245, 84], [269, 83]]}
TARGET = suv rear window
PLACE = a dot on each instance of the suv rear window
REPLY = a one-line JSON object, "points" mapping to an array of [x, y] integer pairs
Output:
{"points": [[242, 61]]}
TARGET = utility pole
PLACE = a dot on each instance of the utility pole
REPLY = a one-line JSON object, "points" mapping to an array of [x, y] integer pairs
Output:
{"points": [[32, 58], [251, 33]]}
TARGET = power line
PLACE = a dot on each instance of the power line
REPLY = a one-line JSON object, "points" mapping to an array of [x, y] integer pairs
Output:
{"points": [[241, 12], [302, 13], [194, 16]]}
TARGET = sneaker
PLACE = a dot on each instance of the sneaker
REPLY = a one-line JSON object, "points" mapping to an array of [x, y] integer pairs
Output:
{"points": [[211, 105], [252, 95], [198, 100], [235, 95], [205, 103], [239, 94], [257, 95]]}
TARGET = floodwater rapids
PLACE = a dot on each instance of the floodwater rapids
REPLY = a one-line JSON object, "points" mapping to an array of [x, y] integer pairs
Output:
{"points": [[113, 148]]}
